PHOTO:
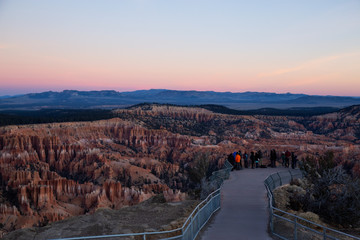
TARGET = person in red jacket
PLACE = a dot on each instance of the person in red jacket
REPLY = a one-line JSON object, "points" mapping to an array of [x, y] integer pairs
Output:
{"points": [[287, 158]]}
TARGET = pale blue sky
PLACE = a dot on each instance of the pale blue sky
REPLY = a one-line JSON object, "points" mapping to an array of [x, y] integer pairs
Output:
{"points": [[276, 46]]}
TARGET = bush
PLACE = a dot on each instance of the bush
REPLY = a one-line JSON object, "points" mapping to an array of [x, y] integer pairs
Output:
{"points": [[314, 168], [199, 172], [200, 168], [335, 197], [332, 192]]}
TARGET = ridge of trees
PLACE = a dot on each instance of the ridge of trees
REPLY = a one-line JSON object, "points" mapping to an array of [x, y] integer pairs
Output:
{"points": [[20, 117]]}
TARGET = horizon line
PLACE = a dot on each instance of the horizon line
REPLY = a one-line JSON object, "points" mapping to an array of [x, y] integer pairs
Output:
{"points": [[164, 89]]}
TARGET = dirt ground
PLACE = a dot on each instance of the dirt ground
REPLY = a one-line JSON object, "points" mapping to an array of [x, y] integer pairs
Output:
{"points": [[151, 215]]}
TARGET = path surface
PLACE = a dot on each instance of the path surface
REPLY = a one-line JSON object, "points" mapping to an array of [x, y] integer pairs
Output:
{"points": [[244, 208]]}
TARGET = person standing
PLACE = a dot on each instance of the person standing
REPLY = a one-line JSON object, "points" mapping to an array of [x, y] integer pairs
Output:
{"points": [[273, 158], [287, 158], [252, 159], [231, 160], [246, 163], [237, 161], [259, 157], [241, 159], [293, 160], [283, 159]]}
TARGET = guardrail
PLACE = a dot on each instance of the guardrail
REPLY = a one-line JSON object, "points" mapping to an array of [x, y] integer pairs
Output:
{"points": [[193, 224], [295, 227]]}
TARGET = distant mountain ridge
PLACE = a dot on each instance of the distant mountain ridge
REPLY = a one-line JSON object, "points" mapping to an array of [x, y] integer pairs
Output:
{"points": [[109, 99]]}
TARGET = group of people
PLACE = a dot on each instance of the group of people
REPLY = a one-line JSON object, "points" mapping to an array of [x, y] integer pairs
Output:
{"points": [[286, 156], [242, 160], [239, 160]]}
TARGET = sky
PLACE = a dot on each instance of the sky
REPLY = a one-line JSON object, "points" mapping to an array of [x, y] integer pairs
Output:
{"points": [[308, 46]]}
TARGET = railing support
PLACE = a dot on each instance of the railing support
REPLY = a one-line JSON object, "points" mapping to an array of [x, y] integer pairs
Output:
{"points": [[295, 229], [193, 224], [269, 182], [271, 219], [273, 182], [279, 178]]}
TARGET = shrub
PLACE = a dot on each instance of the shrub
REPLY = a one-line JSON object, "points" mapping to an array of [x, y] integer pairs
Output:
{"points": [[315, 168], [200, 168], [332, 192], [335, 196], [199, 172]]}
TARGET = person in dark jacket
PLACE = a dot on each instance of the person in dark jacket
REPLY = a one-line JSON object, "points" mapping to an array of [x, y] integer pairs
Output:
{"points": [[293, 160], [245, 157], [231, 160], [283, 159], [252, 159], [273, 158]]}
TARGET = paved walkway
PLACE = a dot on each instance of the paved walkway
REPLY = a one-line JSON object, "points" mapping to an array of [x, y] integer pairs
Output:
{"points": [[244, 208]]}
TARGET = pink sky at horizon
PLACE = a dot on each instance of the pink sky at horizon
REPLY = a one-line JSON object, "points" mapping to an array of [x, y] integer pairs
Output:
{"points": [[136, 45]]}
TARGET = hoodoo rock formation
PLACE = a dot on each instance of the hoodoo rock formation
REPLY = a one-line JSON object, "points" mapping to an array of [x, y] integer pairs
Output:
{"points": [[337, 131], [50, 172], [53, 171]]}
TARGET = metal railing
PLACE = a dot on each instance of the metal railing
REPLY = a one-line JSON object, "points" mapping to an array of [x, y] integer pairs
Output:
{"points": [[285, 225], [193, 224]]}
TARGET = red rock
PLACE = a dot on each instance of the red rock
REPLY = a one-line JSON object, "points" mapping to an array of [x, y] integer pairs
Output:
{"points": [[55, 171]]}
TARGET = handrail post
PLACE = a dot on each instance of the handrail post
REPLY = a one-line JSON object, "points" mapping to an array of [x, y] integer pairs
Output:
{"points": [[271, 219], [291, 175], [192, 226], [295, 229], [279, 178], [144, 236], [324, 234], [273, 182]]}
